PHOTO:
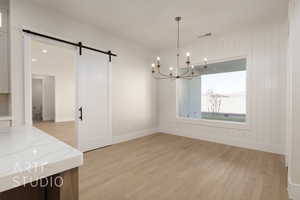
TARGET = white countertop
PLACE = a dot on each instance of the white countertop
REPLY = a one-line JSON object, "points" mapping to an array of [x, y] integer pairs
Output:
{"points": [[28, 154]]}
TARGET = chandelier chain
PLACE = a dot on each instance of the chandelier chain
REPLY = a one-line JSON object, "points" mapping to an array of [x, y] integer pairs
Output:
{"points": [[178, 40]]}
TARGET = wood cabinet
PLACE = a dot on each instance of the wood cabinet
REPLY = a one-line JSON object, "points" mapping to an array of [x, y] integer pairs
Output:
{"points": [[62, 186], [4, 64]]}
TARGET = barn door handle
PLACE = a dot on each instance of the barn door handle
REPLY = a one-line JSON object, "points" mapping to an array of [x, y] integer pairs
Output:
{"points": [[80, 113]]}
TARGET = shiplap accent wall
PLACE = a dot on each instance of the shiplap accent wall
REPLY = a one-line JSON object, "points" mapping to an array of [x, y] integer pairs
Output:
{"points": [[265, 48], [293, 98]]}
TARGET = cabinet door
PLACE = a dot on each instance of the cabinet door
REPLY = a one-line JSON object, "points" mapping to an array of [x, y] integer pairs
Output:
{"points": [[4, 73]]}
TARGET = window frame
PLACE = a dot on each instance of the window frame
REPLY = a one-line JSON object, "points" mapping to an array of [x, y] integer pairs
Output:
{"points": [[221, 123]]}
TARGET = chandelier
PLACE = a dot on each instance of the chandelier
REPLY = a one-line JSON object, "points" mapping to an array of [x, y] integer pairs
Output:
{"points": [[188, 72]]}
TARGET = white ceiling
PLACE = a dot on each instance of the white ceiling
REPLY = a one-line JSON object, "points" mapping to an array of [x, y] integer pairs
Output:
{"points": [[150, 22]]}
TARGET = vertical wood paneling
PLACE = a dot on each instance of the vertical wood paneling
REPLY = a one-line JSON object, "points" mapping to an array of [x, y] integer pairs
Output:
{"points": [[265, 47]]}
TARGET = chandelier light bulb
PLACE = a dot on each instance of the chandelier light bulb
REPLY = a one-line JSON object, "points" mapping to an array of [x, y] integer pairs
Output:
{"points": [[153, 65], [192, 66], [171, 68], [188, 58], [205, 60], [158, 61]]}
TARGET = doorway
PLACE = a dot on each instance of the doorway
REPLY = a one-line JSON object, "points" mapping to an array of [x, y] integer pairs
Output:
{"points": [[37, 100], [53, 72], [43, 98], [67, 95]]}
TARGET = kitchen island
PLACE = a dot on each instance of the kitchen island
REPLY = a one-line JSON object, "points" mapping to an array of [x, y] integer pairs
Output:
{"points": [[37, 166]]}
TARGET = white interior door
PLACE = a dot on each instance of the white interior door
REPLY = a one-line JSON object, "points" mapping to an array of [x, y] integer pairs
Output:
{"points": [[94, 129]]}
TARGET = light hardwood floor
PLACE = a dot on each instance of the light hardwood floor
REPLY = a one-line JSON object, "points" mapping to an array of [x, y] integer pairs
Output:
{"points": [[170, 167], [64, 131]]}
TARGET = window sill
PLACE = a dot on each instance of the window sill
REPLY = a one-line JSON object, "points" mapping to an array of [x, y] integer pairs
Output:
{"points": [[215, 123]]}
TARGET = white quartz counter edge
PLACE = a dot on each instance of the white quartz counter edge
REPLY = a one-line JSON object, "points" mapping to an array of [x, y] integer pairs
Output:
{"points": [[28, 154]]}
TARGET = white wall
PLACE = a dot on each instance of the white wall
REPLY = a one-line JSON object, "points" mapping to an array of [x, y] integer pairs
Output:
{"points": [[265, 47], [293, 98], [133, 89], [4, 3], [49, 98], [59, 63]]}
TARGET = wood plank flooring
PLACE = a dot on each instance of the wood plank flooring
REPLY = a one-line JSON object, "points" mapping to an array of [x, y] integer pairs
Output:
{"points": [[167, 167], [64, 131]]}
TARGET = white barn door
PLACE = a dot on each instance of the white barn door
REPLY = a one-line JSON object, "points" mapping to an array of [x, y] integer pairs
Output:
{"points": [[93, 101]]}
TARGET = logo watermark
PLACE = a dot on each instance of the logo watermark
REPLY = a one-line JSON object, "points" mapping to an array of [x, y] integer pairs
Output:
{"points": [[34, 169]]}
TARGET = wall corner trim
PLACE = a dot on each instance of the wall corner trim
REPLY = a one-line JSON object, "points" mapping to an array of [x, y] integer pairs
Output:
{"points": [[293, 190], [133, 135]]}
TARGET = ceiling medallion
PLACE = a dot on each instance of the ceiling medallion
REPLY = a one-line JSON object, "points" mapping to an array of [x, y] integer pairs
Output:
{"points": [[187, 72]]}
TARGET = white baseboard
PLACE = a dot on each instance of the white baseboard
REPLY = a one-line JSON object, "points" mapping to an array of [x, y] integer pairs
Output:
{"points": [[229, 141], [249, 145], [64, 120], [293, 190], [133, 135]]}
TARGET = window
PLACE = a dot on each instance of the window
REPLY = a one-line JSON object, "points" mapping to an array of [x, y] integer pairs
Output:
{"points": [[218, 94]]}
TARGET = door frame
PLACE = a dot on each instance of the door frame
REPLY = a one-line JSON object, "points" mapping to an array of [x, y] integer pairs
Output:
{"points": [[28, 82]]}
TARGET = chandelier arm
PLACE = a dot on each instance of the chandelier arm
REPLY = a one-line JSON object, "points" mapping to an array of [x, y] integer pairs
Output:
{"points": [[165, 75], [191, 76], [159, 78], [186, 72], [186, 78], [162, 74]]}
